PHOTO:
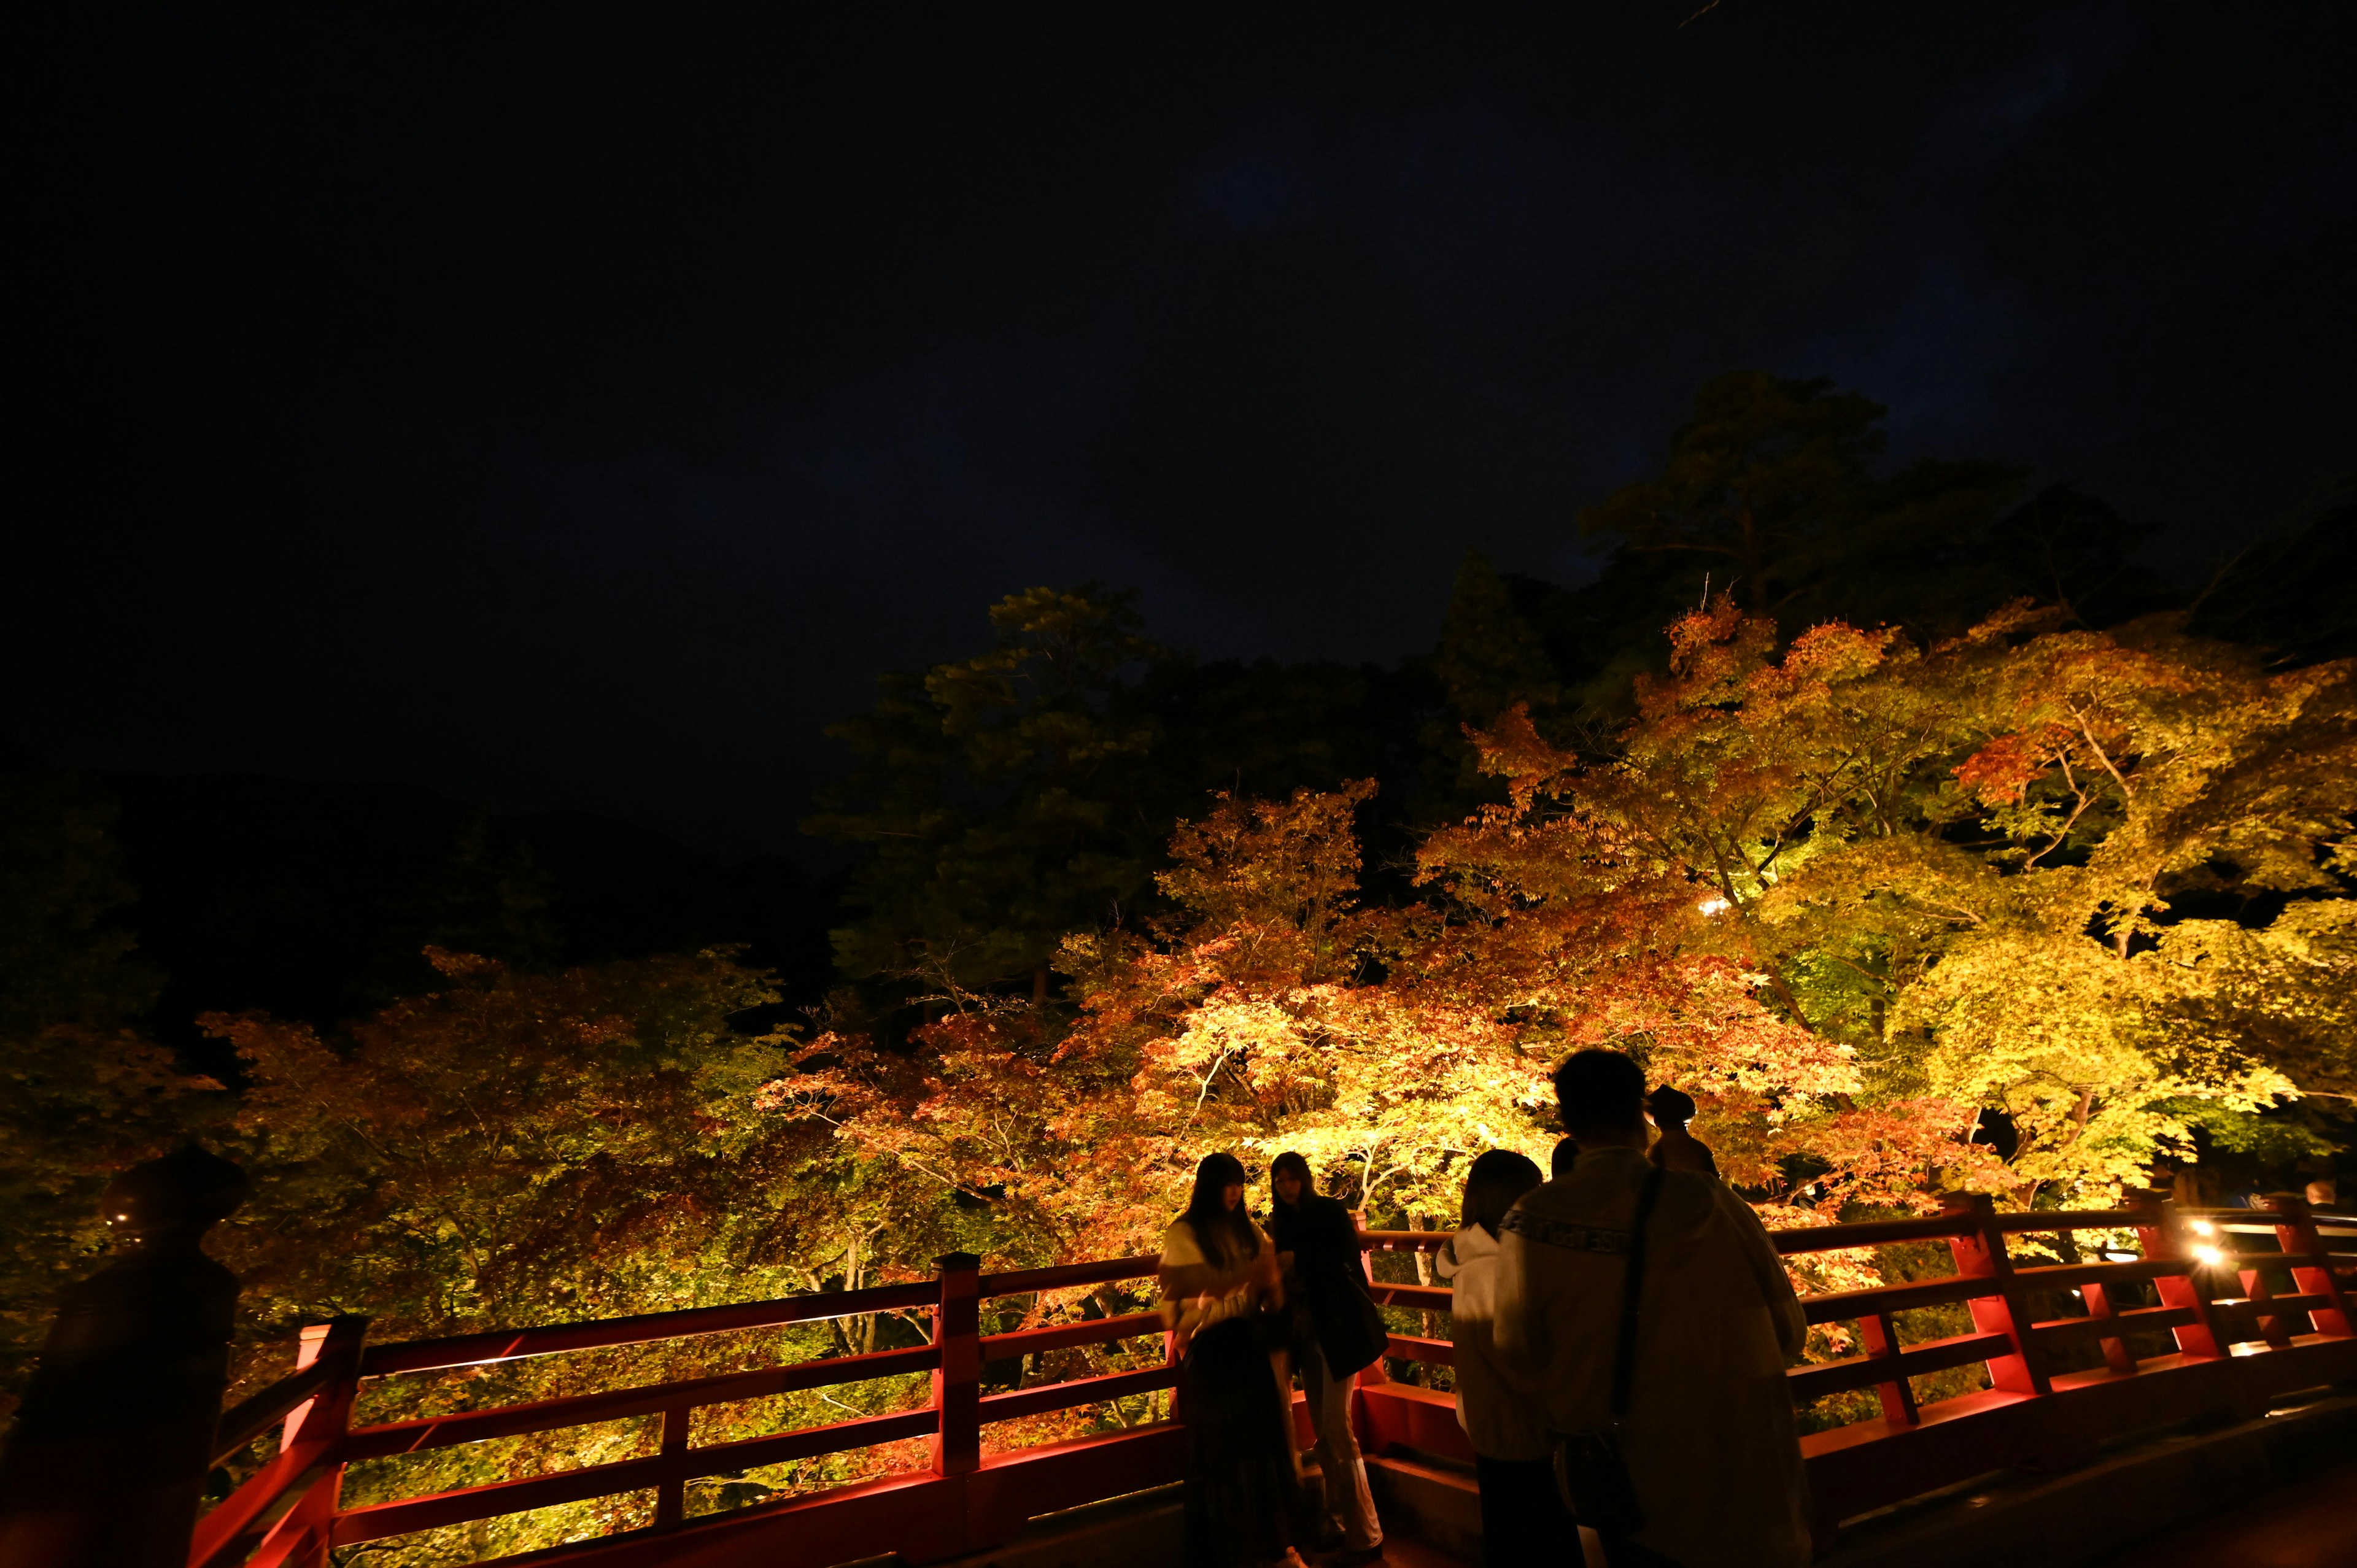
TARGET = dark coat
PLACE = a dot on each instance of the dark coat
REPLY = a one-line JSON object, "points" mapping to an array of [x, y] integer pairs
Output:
{"points": [[1324, 1242]]}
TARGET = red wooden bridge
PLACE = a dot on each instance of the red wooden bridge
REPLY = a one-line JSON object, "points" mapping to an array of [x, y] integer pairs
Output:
{"points": [[2215, 1313]]}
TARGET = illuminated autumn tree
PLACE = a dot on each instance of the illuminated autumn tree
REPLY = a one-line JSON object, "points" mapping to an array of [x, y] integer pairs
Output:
{"points": [[1951, 871], [1256, 1016]]}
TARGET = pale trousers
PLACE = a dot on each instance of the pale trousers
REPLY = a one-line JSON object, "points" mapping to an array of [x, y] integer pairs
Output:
{"points": [[1347, 1500]]}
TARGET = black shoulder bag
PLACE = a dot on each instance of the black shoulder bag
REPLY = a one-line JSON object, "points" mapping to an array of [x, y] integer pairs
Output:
{"points": [[1590, 1470]]}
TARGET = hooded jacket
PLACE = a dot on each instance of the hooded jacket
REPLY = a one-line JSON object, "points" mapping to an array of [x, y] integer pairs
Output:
{"points": [[1494, 1400], [1709, 1435]]}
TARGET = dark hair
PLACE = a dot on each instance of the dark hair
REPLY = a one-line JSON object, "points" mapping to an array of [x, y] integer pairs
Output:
{"points": [[1671, 1108], [1224, 1234], [1599, 1091], [1566, 1150], [1496, 1180], [1289, 1161]]}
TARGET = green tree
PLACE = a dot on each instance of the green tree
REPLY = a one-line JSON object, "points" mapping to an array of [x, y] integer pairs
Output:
{"points": [[1776, 490], [1002, 800], [477, 899], [82, 1091]]}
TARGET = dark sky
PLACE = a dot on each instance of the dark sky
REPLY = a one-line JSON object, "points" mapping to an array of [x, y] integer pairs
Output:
{"points": [[571, 412]]}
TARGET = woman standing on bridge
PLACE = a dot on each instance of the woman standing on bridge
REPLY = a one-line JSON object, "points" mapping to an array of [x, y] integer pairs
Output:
{"points": [[1221, 1293]]}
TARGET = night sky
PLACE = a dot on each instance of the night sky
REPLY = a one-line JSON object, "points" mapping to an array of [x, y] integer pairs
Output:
{"points": [[563, 411]]}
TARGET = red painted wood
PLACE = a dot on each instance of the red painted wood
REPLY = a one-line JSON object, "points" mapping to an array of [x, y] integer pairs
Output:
{"points": [[1431, 1352], [1913, 1362], [2295, 1231], [248, 1420], [380, 1520], [2056, 1222], [954, 1509], [1392, 1416], [308, 1464], [2164, 1237], [1898, 1396], [615, 1404], [2108, 1329], [1402, 1240], [957, 1379], [1980, 1253], [1842, 1306], [1066, 1276], [1063, 1335], [1079, 1391], [670, 1495], [1428, 1298], [1867, 1233], [507, 1345], [2116, 1354]]}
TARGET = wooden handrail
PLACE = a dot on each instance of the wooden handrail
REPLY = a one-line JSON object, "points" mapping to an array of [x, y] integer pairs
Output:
{"points": [[509, 1345], [250, 1418], [615, 1404], [377, 1520], [1999, 1292], [1066, 1276]]}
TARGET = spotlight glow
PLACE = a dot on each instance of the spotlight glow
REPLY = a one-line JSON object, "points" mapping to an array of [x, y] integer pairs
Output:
{"points": [[1713, 906]]}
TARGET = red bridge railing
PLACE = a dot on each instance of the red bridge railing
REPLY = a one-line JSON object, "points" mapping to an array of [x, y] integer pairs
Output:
{"points": [[2217, 1312]]}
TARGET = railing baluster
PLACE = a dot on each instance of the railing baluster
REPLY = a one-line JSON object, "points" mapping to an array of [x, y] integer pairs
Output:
{"points": [[1881, 1336], [322, 1419], [2116, 1354], [957, 1381], [2295, 1233], [2160, 1231], [670, 1497], [1982, 1255]]}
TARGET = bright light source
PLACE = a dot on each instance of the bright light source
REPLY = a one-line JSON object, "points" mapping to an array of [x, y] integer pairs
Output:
{"points": [[2120, 1257], [2208, 1257], [1713, 906], [2203, 1228]]}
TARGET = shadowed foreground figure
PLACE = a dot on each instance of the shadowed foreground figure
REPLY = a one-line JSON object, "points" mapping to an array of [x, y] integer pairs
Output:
{"points": [[1707, 1434]]}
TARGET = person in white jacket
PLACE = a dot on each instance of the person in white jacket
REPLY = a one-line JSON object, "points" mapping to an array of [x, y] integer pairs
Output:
{"points": [[1708, 1435], [1522, 1521]]}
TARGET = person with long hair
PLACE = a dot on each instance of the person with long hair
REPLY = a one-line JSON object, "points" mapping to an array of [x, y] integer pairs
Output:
{"points": [[1222, 1297]]}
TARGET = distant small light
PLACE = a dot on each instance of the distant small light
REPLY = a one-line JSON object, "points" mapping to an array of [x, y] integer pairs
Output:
{"points": [[1714, 905], [2120, 1257]]}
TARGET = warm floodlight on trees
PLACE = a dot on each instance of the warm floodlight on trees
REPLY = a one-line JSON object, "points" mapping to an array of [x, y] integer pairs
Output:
{"points": [[1713, 906]]}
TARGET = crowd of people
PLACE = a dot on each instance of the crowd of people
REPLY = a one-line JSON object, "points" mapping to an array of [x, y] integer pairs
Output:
{"points": [[1621, 1329]]}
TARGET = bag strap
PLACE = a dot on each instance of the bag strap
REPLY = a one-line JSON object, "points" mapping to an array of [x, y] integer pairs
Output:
{"points": [[1624, 1354]]}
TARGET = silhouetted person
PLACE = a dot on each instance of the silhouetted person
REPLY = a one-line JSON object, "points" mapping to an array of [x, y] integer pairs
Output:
{"points": [[1559, 1164], [1346, 1332], [1677, 1149], [1523, 1524], [1706, 1432]]}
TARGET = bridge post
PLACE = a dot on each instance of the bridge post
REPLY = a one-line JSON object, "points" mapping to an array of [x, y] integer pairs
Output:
{"points": [[2295, 1233], [320, 1421], [957, 1381], [2162, 1236], [114, 1439], [1980, 1254]]}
